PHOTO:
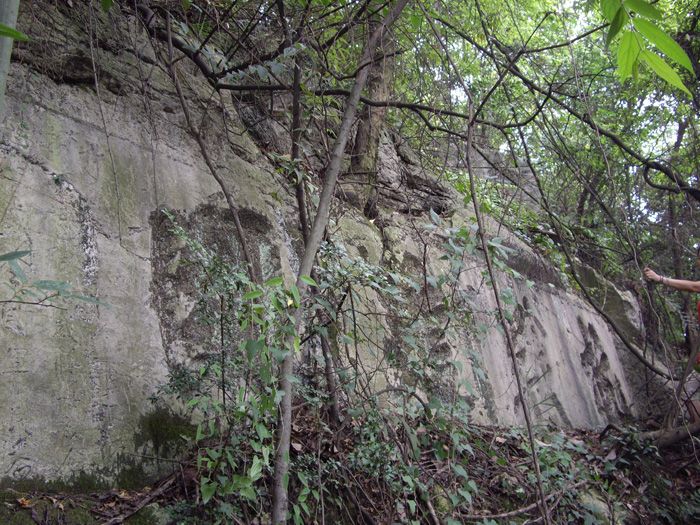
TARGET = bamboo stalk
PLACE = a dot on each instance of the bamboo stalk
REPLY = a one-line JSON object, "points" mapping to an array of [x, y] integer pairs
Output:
{"points": [[8, 17]]}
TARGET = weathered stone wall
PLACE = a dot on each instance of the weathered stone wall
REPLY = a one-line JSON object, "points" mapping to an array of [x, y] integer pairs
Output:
{"points": [[84, 173]]}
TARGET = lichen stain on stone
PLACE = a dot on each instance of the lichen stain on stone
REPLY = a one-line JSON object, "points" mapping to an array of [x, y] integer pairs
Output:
{"points": [[118, 191], [164, 430], [174, 288], [8, 186], [77, 483], [53, 135], [88, 242]]}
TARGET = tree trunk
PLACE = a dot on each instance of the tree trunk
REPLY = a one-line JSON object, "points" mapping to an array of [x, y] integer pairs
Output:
{"points": [[8, 17], [589, 187], [363, 162], [284, 430], [687, 304]]}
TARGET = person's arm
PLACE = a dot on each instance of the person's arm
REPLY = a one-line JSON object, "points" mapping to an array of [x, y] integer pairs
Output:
{"points": [[678, 284]]}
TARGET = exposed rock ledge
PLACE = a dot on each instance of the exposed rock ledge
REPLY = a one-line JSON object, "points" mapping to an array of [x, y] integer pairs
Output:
{"points": [[85, 200]]}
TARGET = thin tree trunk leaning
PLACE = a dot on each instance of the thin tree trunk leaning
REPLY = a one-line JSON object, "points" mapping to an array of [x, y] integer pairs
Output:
{"points": [[295, 133], [8, 17], [296, 137], [279, 498], [331, 383], [542, 500]]}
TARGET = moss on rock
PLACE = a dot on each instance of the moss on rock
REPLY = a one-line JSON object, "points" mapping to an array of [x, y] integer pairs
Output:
{"points": [[164, 430]]}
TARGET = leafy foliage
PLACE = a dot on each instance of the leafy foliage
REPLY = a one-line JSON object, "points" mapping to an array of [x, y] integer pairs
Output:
{"points": [[40, 292], [636, 40], [236, 410], [530, 80]]}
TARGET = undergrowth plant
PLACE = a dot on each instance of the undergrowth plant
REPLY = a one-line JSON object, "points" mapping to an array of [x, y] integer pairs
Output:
{"points": [[401, 453], [20, 289], [234, 394]]}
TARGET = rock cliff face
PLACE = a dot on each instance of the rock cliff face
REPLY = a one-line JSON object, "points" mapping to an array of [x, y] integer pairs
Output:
{"points": [[84, 175]]}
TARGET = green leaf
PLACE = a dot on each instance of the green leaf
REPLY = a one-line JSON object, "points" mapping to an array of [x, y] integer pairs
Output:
{"points": [[275, 282], [459, 470], [56, 286], [227, 509], [263, 432], [466, 495], [255, 471], [413, 439], [253, 294], [279, 354], [295, 294], [262, 72], [303, 478], [106, 5], [609, 8], [627, 55], [85, 299], [296, 510], [663, 70], [643, 8], [208, 489], [10, 32], [253, 347], [325, 305], [308, 280], [663, 42], [277, 69], [11, 256], [618, 23]]}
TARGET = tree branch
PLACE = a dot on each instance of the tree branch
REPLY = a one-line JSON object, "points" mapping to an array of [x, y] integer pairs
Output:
{"points": [[585, 118]]}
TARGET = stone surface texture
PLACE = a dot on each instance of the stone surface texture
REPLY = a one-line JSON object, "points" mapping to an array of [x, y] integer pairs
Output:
{"points": [[83, 175]]}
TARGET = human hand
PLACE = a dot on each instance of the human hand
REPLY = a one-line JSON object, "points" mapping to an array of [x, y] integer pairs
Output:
{"points": [[651, 275]]}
